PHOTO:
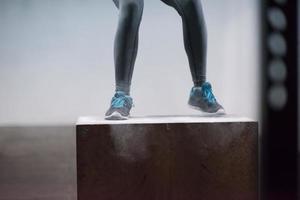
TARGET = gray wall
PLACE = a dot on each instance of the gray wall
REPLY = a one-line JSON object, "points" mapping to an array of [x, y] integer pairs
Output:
{"points": [[56, 59]]}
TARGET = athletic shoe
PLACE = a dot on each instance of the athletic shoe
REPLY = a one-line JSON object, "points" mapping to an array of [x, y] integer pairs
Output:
{"points": [[120, 107], [203, 99]]}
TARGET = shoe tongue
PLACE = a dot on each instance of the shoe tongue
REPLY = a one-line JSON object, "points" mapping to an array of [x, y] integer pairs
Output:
{"points": [[120, 94]]}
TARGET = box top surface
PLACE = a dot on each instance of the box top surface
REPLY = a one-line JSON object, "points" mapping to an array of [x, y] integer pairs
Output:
{"points": [[94, 120]]}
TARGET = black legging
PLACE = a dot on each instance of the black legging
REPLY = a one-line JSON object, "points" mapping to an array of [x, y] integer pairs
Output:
{"points": [[126, 40]]}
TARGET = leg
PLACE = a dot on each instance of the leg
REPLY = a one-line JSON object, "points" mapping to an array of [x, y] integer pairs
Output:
{"points": [[195, 40], [201, 96], [125, 51], [126, 41]]}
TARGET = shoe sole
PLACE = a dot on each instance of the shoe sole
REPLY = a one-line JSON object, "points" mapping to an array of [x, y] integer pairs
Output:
{"points": [[116, 116], [218, 113]]}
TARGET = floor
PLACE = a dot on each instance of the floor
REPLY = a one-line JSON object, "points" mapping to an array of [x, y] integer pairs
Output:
{"points": [[37, 163]]}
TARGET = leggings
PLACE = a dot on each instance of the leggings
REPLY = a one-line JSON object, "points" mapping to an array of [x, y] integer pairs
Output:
{"points": [[126, 39]]}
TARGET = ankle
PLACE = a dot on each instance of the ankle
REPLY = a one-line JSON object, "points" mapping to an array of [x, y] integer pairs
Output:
{"points": [[199, 83], [123, 88]]}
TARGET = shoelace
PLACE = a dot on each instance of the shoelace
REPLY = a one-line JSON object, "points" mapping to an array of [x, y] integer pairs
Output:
{"points": [[119, 101], [208, 94]]}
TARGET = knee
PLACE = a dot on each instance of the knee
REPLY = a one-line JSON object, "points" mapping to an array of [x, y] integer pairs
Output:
{"points": [[132, 9], [190, 4], [191, 9]]}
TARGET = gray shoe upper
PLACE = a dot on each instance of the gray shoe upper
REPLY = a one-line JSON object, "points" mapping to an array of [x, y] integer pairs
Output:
{"points": [[204, 99], [201, 98], [120, 103]]}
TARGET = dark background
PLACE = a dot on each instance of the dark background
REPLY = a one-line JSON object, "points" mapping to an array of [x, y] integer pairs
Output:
{"points": [[280, 121]]}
